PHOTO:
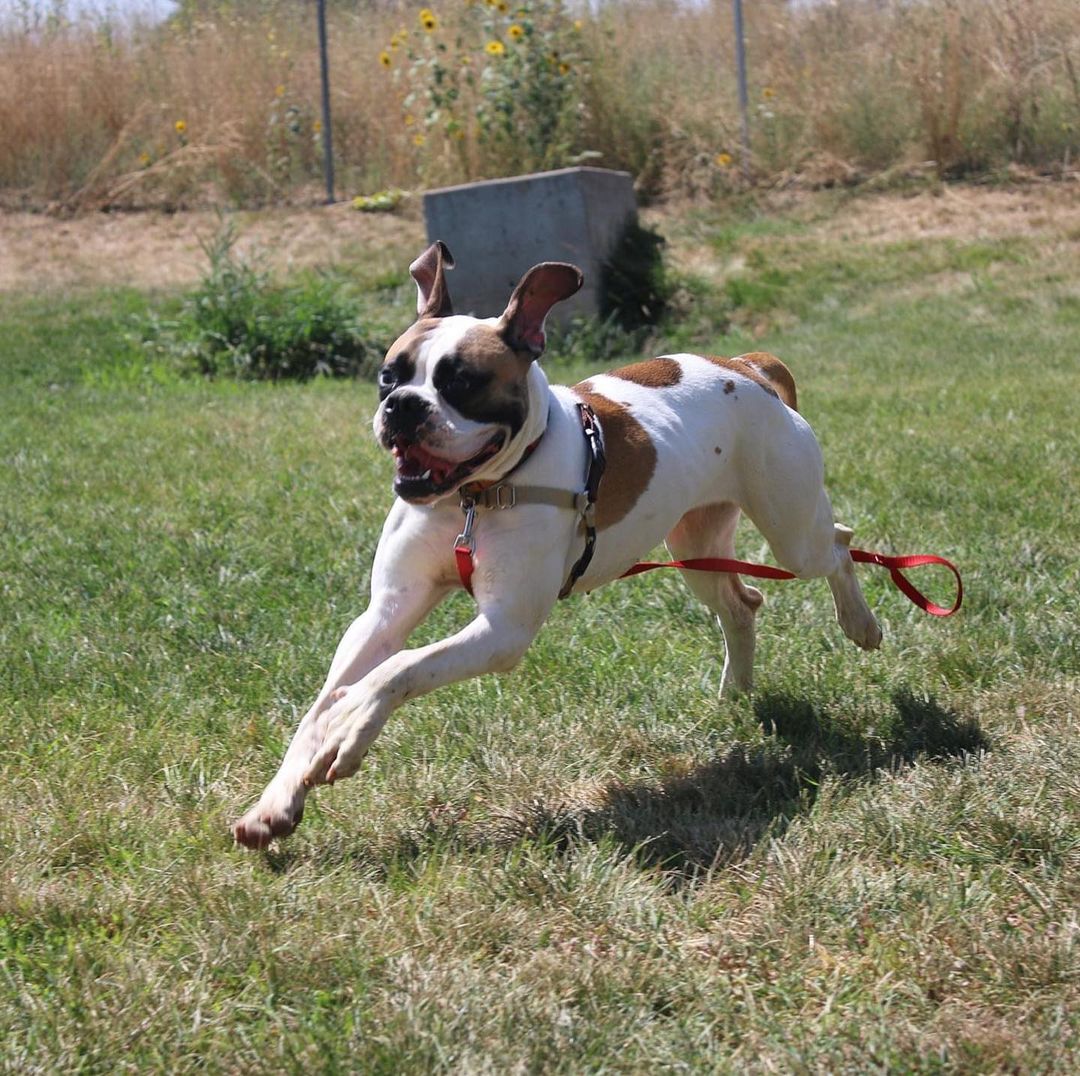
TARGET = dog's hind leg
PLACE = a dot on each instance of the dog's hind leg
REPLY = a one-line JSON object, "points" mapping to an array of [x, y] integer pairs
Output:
{"points": [[710, 532], [798, 525]]}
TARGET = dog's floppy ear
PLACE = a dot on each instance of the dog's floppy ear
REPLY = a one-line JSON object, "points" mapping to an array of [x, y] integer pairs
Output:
{"points": [[522, 322], [432, 294]]}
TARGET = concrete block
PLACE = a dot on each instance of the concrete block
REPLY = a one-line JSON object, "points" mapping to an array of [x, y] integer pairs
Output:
{"points": [[498, 228]]}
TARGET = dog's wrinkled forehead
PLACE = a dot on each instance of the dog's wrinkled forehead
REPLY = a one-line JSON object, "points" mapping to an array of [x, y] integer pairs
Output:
{"points": [[433, 347]]}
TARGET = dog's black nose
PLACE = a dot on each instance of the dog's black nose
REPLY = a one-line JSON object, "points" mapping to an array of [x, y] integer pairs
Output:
{"points": [[404, 411]]}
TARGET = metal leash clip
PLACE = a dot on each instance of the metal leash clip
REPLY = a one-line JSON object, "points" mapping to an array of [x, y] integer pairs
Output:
{"points": [[465, 539]]}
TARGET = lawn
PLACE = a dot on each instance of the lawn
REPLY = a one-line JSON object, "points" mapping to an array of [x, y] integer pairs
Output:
{"points": [[590, 863]]}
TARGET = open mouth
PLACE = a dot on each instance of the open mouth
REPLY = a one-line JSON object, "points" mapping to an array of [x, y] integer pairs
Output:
{"points": [[421, 474]]}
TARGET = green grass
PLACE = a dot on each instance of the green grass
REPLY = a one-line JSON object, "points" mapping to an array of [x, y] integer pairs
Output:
{"points": [[590, 863]]}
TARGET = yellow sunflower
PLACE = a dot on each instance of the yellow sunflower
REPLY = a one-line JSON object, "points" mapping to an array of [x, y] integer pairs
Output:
{"points": [[180, 126], [384, 58], [722, 160], [515, 32], [494, 48], [428, 20]]}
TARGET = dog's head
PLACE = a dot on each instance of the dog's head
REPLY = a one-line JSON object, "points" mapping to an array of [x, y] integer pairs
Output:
{"points": [[454, 390]]}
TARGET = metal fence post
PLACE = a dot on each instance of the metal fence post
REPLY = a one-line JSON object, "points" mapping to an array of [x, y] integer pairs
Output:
{"points": [[744, 97], [328, 141]]}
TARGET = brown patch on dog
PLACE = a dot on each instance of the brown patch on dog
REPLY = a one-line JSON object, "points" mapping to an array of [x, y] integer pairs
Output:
{"points": [[485, 350], [729, 387], [501, 371], [776, 372], [740, 367], [652, 374], [765, 370], [411, 338], [403, 351], [631, 457]]}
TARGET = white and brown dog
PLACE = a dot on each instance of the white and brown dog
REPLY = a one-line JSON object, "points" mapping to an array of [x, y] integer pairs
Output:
{"points": [[691, 441]]}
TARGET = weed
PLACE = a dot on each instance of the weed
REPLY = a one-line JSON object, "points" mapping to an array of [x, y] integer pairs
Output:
{"points": [[239, 323]]}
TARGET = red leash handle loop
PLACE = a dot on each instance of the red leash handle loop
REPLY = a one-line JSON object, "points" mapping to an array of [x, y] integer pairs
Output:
{"points": [[896, 565]]}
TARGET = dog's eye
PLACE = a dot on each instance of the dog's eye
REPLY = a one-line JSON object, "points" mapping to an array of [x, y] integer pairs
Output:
{"points": [[387, 381], [458, 383]]}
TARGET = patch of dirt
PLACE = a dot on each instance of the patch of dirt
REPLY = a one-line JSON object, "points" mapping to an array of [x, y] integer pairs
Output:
{"points": [[162, 251], [958, 212]]}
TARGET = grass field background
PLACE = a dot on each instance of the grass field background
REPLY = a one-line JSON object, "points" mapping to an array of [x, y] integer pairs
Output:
{"points": [[590, 863]]}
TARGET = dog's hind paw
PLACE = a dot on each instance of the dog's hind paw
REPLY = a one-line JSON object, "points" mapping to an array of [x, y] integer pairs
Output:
{"points": [[862, 629]]}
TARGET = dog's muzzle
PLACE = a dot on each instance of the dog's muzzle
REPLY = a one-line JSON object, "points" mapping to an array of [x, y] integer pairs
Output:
{"points": [[403, 415], [423, 475]]}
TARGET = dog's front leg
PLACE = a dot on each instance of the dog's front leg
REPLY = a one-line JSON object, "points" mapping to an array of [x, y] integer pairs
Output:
{"points": [[380, 631], [494, 642], [401, 596]]}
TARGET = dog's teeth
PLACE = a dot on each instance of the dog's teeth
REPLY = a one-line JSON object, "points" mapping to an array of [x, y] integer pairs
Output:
{"points": [[426, 475]]}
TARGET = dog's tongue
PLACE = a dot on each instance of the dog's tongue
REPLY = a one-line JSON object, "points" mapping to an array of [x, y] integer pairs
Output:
{"points": [[417, 460]]}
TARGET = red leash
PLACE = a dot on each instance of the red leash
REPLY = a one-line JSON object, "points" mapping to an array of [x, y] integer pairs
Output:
{"points": [[895, 566]]}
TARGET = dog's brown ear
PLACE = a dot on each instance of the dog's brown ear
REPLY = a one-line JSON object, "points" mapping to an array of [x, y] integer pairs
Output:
{"points": [[522, 322], [429, 272]]}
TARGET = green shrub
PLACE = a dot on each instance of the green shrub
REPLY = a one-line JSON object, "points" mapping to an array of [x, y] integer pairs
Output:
{"points": [[634, 286], [239, 323]]}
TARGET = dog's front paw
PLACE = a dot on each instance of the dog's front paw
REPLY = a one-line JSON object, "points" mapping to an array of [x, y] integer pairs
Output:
{"points": [[275, 815]]}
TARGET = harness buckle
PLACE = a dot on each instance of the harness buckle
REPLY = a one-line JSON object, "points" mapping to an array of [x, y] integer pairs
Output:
{"points": [[505, 496]]}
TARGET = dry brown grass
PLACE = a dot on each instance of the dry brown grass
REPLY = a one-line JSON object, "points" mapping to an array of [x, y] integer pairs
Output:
{"points": [[839, 91], [156, 250]]}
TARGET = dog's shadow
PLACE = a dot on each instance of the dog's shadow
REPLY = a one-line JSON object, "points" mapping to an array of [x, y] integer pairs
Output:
{"points": [[714, 813]]}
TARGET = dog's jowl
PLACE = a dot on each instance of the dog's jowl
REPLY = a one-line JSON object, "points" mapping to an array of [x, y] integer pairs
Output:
{"points": [[469, 419]]}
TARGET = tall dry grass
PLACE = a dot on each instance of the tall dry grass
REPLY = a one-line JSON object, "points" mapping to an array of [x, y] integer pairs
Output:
{"points": [[89, 112]]}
